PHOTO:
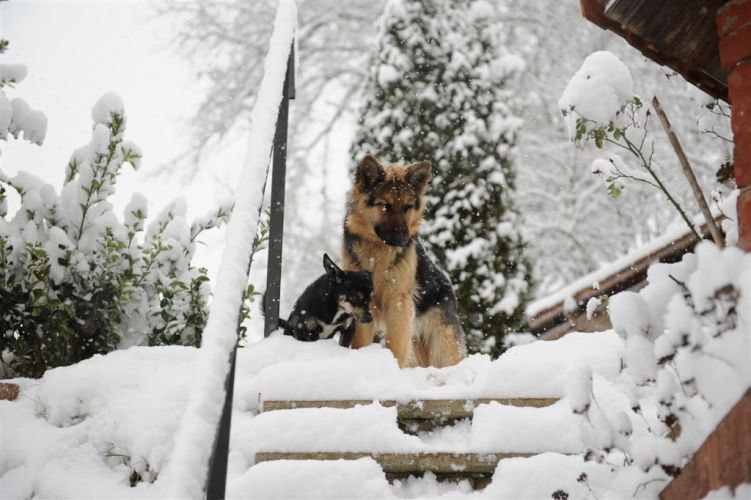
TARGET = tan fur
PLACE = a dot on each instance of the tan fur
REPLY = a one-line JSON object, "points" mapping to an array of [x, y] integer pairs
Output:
{"points": [[427, 340], [435, 341]]}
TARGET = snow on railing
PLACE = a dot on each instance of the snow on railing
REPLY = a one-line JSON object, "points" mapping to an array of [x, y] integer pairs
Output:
{"points": [[186, 472]]}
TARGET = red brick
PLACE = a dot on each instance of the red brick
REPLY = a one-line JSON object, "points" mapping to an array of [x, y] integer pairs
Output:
{"points": [[733, 15], [723, 460], [744, 219], [735, 47], [739, 89]]}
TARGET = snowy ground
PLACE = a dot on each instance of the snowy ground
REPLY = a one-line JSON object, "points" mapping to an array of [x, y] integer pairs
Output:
{"points": [[104, 428], [92, 429]]}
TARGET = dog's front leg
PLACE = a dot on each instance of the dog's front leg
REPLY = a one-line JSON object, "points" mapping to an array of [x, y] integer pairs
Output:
{"points": [[400, 319], [364, 333], [347, 334]]}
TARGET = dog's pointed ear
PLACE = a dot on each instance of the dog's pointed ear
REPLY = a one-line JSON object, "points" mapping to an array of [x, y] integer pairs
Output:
{"points": [[418, 174], [332, 270], [369, 173]]}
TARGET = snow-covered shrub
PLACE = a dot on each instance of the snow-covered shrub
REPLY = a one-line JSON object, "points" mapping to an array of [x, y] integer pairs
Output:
{"points": [[439, 89], [16, 116], [687, 345], [76, 280], [599, 105]]}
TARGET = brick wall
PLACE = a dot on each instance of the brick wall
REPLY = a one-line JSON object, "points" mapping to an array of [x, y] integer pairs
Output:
{"points": [[734, 30]]}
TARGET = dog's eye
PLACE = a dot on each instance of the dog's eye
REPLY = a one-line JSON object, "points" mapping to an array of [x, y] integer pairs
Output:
{"points": [[407, 208], [386, 207]]}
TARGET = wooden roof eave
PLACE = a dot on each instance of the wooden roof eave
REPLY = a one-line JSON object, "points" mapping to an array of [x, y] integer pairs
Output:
{"points": [[620, 18], [621, 280]]}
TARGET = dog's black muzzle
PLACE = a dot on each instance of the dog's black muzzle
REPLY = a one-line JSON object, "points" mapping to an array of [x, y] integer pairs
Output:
{"points": [[393, 237]]}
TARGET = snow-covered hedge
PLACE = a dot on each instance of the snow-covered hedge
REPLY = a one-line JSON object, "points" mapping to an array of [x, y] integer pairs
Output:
{"points": [[685, 365], [76, 280]]}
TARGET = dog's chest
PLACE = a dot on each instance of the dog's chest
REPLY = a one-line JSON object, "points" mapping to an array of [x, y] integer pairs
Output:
{"points": [[393, 269], [392, 281]]}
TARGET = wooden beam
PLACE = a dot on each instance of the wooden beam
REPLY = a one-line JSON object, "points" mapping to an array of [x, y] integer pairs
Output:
{"points": [[422, 409], [476, 480], [688, 172], [438, 462], [623, 279], [8, 392]]}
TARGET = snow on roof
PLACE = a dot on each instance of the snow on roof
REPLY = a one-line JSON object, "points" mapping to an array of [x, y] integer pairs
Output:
{"points": [[592, 284]]}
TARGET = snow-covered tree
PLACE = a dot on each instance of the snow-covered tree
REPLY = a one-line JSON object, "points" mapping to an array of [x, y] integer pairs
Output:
{"points": [[439, 90]]}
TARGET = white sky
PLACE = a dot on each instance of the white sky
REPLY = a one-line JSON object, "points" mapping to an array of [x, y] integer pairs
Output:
{"points": [[77, 51]]}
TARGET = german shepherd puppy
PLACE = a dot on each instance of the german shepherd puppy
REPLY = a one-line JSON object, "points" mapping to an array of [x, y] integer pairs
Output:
{"points": [[412, 299], [334, 302]]}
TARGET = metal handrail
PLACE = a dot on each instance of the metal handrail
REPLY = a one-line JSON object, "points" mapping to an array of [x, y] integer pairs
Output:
{"points": [[198, 465], [276, 219], [217, 477]]}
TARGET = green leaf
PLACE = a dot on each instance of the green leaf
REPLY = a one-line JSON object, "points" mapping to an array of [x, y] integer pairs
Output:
{"points": [[614, 190]]}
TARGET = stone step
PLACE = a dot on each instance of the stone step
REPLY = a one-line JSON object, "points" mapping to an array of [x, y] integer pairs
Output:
{"points": [[478, 468], [416, 415]]}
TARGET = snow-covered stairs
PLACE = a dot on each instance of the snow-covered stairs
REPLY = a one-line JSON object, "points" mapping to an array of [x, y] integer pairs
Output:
{"points": [[477, 468], [413, 417], [316, 420]]}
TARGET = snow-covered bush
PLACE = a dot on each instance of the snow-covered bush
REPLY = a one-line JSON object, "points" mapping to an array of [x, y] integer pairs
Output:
{"points": [[75, 280], [16, 116], [687, 345]]}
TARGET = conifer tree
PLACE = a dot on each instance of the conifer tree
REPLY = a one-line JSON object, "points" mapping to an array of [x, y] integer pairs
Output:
{"points": [[438, 90]]}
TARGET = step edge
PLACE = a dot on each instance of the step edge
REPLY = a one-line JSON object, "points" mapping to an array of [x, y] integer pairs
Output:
{"points": [[399, 462], [415, 409]]}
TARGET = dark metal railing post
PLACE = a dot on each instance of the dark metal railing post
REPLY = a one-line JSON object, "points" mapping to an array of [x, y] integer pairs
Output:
{"points": [[276, 220], [216, 481]]}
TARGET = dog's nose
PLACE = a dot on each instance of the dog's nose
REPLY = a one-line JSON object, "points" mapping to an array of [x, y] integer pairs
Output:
{"points": [[402, 239], [366, 317], [394, 236]]}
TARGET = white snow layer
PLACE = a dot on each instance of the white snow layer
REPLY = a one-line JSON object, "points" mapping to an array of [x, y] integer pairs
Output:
{"points": [[12, 73], [17, 117], [86, 430], [741, 491], [597, 91], [106, 107], [330, 479], [187, 470], [538, 369]]}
